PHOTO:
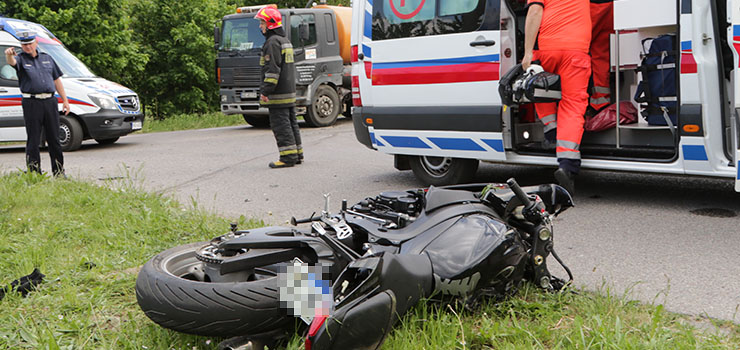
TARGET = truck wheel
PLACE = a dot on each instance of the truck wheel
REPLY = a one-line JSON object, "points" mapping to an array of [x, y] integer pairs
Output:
{"points": [[440, 171], [107, 141], [325, 107], [257, 121], [70, 133]]}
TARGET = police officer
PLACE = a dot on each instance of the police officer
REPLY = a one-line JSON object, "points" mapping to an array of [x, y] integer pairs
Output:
{"points": [[562, 31], [38, 76], [277, 91]]}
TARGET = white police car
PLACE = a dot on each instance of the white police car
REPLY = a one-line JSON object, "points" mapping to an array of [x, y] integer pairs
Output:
{"points": [[99, 109]]}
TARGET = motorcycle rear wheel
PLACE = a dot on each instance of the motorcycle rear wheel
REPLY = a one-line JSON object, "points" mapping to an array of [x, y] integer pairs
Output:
{"points": [[170, 294]]}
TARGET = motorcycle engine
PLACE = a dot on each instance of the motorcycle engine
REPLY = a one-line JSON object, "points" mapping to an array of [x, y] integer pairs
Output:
{"points": [[398, 207], [399, 201]]}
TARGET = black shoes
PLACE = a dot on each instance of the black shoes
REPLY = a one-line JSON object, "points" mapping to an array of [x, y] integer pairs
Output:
{"points": [[566, 179]]}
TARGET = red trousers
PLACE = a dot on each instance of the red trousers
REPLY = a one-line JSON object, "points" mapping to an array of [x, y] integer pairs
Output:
{"points": [[574, 68], [602, 19]]}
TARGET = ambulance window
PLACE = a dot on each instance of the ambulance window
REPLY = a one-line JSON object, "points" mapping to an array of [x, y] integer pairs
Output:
{"points": [[686, 6], [394, 19], [8, 75], [295, 22]]}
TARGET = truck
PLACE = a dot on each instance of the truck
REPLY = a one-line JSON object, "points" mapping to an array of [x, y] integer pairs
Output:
{"points": [[99, 109], [320, 39], [425, 88]]}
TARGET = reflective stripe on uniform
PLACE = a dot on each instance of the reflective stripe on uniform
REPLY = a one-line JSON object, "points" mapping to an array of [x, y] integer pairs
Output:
{"points": [[262, 60], [288, 152], [568, 144], [278, 102], [271, 81], [598, 101], [602, 90], [551, 126], [568, 155], [272, 75]]}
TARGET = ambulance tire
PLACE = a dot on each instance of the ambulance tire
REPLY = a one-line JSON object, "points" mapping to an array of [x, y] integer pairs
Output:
{"points": [[439, 171], [257, 121], [324, 108], [70, 133]]}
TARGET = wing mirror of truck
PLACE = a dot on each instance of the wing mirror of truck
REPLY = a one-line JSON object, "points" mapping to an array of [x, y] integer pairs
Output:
{"points": [[303, 32], [216, 36]]}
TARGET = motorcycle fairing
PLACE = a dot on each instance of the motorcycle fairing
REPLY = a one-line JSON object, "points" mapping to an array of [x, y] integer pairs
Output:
{"points": [[370, 294]]}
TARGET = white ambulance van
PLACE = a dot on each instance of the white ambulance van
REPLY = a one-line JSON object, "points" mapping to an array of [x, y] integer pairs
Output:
{"points": [[425, 88], [99, 109]]}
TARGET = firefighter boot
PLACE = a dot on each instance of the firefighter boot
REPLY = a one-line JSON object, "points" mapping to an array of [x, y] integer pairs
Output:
{"points": [[280, 164], [566, 179]]}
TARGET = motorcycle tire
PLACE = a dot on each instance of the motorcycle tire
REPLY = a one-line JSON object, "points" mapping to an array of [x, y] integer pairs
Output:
{"points": [[170, 296]]}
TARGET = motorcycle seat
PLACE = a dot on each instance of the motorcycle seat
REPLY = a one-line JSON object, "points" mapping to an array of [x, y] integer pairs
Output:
{"points": [[439, 197]]}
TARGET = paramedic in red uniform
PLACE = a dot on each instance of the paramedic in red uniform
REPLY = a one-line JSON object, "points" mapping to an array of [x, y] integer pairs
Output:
{"points": [[561, 30], [602, 20]]}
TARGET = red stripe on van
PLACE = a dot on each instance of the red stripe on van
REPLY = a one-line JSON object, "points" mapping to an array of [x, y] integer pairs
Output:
{"points": [[688, 63], [456, 73], [10, 102]]}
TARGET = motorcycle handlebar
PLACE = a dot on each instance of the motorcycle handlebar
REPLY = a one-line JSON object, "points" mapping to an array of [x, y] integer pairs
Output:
{"points": [[514, 186]]}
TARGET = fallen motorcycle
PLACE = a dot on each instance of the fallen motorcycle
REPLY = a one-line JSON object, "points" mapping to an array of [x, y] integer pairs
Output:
{"points": [[382, 255]]}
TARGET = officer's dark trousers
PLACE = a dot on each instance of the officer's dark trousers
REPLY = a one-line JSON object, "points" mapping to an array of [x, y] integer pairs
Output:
{"points": [[40, 114], [287, 134]]}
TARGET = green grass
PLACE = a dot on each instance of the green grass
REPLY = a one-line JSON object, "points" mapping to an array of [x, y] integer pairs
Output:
{"points": [[192, 121], [91, 240]]}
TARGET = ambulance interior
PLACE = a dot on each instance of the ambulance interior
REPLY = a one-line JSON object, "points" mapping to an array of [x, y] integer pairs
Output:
{"points": [[637, 141]]}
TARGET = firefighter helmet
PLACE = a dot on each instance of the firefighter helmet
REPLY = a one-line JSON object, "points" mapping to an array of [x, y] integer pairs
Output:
{"points": [[271, 16]]}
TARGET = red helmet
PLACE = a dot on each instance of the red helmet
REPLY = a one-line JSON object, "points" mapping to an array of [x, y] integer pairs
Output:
{"points": [[270, 15]]}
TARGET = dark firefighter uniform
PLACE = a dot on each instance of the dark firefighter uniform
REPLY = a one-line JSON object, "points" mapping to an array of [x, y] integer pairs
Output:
{"points": [[278, 85]]}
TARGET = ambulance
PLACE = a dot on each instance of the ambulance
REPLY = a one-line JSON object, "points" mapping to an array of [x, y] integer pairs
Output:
{"points": [[425, 79], [99, 109]]}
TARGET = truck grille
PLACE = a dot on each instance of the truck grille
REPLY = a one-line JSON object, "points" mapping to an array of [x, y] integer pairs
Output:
{"points": [[129, 103], [247, 76]]}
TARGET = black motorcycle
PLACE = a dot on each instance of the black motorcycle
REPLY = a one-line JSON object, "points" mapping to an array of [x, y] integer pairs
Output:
{"points": [[382, 255]]}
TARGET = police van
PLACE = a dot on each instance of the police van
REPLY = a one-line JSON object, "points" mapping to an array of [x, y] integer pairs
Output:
{"points": [[425, 79], [99, 109]]}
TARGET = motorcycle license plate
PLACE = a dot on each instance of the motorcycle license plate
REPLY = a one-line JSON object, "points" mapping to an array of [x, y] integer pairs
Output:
{"points": [[303, 291], [249, 94], [136, 125]]}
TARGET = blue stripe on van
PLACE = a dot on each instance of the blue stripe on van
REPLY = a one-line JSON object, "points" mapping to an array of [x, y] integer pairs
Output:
{"points": [[437, 62], [406, 141], [738, 169], [459, 144], [686, 45], [694, 152], [375, 141], [368, 27], [497, 145], [736, 30], [367, 51], [370, 2]]}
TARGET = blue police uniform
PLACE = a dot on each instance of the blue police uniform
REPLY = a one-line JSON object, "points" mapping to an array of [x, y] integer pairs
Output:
{"points": [[36, 77]]}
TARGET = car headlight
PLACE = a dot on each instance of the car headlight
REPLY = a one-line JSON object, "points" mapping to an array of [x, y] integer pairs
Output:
{"points": [[103, 101]]}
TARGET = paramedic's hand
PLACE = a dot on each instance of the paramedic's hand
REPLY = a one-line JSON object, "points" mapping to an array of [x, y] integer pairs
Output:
{"points": [[65, 107], [526, 61], [264, 98]]}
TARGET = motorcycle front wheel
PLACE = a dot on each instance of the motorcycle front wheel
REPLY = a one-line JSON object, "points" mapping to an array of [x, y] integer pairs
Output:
{"points": [[171, 291]]}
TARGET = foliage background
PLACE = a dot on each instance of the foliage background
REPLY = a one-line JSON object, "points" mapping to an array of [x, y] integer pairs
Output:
{"points": [[162, 49]]}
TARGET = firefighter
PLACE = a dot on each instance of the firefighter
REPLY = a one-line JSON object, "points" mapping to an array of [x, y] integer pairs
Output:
{"points": [[561, 31], [277, 91], [602, 20]]}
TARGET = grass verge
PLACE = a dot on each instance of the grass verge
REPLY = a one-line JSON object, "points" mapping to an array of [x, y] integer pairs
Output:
{"points": [[192, 121], [90, 242]]}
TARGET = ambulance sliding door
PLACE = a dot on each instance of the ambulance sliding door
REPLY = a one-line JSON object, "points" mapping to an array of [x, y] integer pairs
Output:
{"points": [[734, 40]]}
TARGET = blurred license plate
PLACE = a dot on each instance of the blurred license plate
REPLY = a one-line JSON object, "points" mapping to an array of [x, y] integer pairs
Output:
{"points": [[135, 125], [249, 94]]}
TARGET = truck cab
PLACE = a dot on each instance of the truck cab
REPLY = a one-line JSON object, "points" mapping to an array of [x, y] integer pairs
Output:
{"points": [[322, 78], [438, 111], [99, 109]]}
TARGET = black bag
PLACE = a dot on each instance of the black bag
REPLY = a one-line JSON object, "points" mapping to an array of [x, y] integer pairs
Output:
{"points": [[518, 86], [656, 93]]}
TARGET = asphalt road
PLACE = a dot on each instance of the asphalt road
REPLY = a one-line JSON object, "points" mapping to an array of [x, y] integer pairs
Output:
{"points": [[662, 239]]}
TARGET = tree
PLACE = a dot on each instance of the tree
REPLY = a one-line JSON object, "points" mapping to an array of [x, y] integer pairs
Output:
{"points": [[96, 31], [177, 36]]}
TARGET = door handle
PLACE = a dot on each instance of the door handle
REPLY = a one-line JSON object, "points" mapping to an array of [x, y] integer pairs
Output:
{"points": [[483, 43], [3, 90]]}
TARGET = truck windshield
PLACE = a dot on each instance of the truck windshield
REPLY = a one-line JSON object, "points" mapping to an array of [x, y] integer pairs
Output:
{"points": [[69, 64], [241, 34]]}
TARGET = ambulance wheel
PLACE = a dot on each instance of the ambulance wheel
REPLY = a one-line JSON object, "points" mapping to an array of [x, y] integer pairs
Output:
{"points": [[324, 108], [440, 171], [70, 133], [257, 121], [107, 141]]}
